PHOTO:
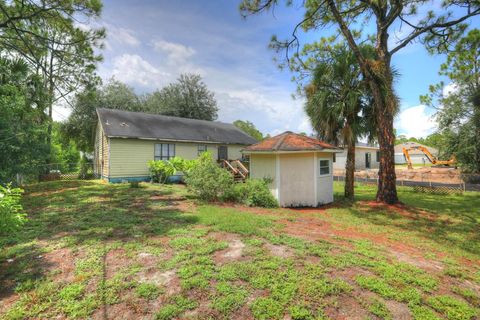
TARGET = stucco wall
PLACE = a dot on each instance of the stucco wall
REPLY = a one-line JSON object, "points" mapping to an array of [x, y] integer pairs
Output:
{"points": [[297, 179], [129, 157], [341, 159], [263, 166]]}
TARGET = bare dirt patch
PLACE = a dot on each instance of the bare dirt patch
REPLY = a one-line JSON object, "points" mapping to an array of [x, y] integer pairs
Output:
{"points": [[347, 307], [62, 261], [402, 209], [115, 260], [159, 278], [418, 261], [233, 252], [279, 250], [398, 310]]}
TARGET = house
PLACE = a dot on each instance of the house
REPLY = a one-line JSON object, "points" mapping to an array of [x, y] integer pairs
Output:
{"points": [[416, 156], [300, 168], [367, 156], [125, 141]]}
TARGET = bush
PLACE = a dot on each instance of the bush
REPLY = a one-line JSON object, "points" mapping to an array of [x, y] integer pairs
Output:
{"points": [[161, 170], [11, 211], [253, 193], [206, 179]]}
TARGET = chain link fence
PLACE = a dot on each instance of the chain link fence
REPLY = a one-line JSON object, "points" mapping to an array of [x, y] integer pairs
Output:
{"points": [[442, 181], [59, 171]]}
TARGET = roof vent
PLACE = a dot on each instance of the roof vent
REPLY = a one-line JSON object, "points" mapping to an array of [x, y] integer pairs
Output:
{"points": [[124, 124], [106, 123]]}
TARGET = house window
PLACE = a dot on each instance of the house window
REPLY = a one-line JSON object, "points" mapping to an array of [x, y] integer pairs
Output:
{"points": [[378, 156], [164, 151], [334, 157], [202, 148], [324, 167]]}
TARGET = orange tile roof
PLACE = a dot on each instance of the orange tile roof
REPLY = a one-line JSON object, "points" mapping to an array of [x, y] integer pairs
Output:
{"points": [[289, 141]]}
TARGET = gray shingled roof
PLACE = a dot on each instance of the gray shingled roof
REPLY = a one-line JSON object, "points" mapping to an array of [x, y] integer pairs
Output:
{"points": [[126, 124]]}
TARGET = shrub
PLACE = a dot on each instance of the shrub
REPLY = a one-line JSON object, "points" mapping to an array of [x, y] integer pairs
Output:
{"points": [[206, 179], [253, 193], [161, 170], [11, 211]]}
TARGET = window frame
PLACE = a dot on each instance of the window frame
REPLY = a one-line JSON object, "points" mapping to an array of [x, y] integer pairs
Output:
{"points": [[320, 174], [199, 152], [161, 146]]}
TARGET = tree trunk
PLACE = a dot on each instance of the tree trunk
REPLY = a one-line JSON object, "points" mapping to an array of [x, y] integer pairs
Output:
{"points": [[350, 172], [387, 188], [476, 120], [378, 75]]}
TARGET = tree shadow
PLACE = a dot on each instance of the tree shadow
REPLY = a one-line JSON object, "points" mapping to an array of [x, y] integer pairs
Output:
{"points": [[462, 232], [76, 213]]}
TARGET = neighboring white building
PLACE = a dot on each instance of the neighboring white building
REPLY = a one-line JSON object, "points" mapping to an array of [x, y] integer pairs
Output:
{"points": [[416, 156], [300, 168], [366, 157]]}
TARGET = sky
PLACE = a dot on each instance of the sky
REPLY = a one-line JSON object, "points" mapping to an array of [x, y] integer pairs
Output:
{"points": [[150, 43]]}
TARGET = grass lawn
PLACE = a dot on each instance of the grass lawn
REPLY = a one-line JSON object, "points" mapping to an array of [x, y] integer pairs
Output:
{"points": [[95, 250]]}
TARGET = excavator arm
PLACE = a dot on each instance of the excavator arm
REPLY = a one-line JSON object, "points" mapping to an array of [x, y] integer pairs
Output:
{"points": [[429, 156]]}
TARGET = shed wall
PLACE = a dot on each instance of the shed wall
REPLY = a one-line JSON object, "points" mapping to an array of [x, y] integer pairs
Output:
{"points": [[263, 166], [297, 180]]}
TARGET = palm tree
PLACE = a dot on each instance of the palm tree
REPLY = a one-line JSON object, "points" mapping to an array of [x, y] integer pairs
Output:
{"points": [[339, 105]]}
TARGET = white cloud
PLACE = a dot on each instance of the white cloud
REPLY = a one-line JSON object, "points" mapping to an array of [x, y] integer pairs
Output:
{"points": [[305, 126], [176, 53], [133, 69], [449, 88], [415, 122], [122, 36]]}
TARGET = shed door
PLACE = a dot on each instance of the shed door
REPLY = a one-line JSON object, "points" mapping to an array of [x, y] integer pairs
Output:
{"points": [[222, 153]]}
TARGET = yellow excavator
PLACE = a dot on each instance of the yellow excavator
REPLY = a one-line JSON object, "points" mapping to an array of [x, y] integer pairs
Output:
{"points": [[430, 157]]}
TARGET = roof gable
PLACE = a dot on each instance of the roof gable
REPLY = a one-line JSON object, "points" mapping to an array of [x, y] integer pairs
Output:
{"points": [[289, 141], [127, 124]]}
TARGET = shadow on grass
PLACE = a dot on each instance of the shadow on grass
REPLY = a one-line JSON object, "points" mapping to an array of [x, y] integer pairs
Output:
{"points": [[74, 213], [448, 220]]}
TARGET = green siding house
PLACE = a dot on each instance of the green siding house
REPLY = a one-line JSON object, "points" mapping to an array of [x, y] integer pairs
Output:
{"points": [[125, 141]]}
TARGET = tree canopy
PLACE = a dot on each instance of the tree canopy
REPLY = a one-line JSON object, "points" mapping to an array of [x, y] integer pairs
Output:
{"points": [[249, 128], [374, 22], [458, 106], [188, 97], [23, 123], [81, 124], [339, 104]]}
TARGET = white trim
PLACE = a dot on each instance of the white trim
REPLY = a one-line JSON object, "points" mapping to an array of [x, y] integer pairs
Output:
{"points": [[329, 167], [277, 176], [315, 180]]}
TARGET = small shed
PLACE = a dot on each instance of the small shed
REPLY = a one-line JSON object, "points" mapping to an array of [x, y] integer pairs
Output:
{"points": [[299, 167]]}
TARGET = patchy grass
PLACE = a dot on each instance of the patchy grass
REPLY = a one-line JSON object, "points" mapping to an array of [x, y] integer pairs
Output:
{"points": [[95, 250]]}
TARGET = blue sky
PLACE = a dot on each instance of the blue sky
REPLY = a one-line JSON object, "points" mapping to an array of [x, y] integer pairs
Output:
{"points": [[149, 43]]}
